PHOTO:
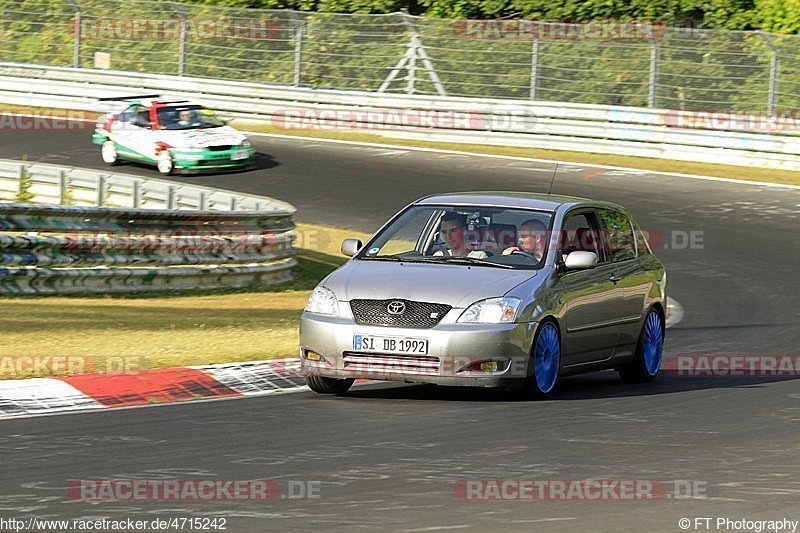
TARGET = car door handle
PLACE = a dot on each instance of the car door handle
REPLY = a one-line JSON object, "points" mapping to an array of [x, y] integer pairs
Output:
{"points": [[614, 279]]}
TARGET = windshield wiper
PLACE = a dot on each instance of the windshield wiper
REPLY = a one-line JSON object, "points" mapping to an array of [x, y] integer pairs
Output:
{"points": [[381, 258], [474, 261], [406, 259], [439, 259]]}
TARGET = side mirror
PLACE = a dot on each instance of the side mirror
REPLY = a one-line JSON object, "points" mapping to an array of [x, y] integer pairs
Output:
{"points": [[580, 260], [350, 247]]}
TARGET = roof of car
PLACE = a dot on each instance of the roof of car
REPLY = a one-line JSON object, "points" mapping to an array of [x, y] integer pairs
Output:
{"points": [[525, 200]]}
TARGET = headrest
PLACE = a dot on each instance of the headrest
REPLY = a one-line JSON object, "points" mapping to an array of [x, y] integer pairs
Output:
{"points": [[493, 238]]}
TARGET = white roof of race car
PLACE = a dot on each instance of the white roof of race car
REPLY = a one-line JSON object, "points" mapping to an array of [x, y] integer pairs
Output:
{"points": [[147, 100]]}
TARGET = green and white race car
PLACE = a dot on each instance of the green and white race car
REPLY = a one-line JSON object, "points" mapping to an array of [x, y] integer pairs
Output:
{"points": [[174, 135]]}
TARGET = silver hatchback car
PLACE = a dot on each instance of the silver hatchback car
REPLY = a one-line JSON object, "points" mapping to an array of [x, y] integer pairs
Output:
{"points": [[490, 289]]}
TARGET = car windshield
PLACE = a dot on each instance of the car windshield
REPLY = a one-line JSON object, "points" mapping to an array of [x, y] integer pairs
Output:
{"points": [[187, 117], [483, 236]]}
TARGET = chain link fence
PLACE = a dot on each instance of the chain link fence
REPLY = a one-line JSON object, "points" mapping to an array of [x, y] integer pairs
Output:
{"points": [[609, 62]]}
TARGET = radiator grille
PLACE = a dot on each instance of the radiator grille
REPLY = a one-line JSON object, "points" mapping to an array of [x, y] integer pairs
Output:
{"points": [[415, 315]]}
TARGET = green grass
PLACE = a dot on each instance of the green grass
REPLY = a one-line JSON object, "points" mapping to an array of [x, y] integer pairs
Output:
{"points": [[128, 332]]}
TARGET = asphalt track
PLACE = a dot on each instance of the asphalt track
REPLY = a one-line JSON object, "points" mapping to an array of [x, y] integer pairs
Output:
{"points": [[387, 455]]}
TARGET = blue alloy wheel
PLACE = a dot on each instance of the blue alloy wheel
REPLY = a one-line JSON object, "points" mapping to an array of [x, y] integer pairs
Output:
{"points": [[547, 358], [652, 343]]}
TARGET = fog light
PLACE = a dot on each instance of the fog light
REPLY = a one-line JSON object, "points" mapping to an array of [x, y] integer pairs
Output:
{"points": [[314, 356], [489, 366]]}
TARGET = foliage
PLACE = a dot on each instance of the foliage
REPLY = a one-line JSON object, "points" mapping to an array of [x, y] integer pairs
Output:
{"points": [[24, 194], [698, 69]]}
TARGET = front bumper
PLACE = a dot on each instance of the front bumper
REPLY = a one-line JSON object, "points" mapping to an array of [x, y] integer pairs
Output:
{"points": [[206, 159], [454, 352]]}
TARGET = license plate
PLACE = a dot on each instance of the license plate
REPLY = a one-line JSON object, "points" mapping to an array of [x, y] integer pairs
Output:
{"points": [[394, 345], [239, 155]]}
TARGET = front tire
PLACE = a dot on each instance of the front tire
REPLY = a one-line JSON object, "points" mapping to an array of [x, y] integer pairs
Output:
{"points": [[649, 351], [545, 363], [323, 385], [108, 153], [165, 163]]}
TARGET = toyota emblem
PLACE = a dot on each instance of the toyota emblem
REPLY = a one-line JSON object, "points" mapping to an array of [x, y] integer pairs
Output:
{"points": [[396, 307]]}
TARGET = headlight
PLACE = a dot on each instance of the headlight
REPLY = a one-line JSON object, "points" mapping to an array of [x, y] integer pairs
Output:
{"points": [[323, 302], [246, 144], [195, 147], [491, 311]]}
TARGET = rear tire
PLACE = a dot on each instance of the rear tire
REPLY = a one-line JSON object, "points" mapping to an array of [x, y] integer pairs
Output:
{"points": [[647, 360], [324, 385]]}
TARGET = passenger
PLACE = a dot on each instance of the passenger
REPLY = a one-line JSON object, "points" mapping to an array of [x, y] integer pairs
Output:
{"points": [[453, 229], [532, 239]]}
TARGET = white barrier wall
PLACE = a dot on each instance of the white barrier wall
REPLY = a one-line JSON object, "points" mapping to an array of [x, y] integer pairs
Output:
{"points": [[732, 140]]}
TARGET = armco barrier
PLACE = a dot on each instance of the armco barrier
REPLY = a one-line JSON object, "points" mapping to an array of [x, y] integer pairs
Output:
{"points": [[168, 236], [553, 125]]}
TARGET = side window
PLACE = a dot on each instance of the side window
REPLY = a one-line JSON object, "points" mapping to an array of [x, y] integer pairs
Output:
{"points": [[641, 241], [127, 115], [579, 233], [142, 117], [617, 235]]}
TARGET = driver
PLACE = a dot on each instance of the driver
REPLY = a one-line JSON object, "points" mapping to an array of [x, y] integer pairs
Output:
{"points": [[186, 119], [532, 239], [453, 228]]}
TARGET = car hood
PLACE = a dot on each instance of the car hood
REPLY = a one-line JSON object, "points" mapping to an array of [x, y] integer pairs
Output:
{"points": [[455, 285], [201, 137]]}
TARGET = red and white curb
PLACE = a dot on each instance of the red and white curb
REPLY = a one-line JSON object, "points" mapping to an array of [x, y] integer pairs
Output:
{"points": [[39, 396], [42, 396]]}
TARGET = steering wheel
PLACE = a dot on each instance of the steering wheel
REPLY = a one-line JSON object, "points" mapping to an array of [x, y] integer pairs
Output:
{"points": [[525, 254]]}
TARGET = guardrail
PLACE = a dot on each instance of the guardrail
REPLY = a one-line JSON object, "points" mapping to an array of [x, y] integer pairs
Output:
{"points": [[659, 133], [160, 235]]}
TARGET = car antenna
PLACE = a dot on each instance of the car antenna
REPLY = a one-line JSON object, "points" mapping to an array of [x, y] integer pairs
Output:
{"points": [[553, 179]]}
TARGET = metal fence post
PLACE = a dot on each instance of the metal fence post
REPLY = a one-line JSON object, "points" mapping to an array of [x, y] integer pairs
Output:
{"points": [[181, 38], [413, 50], [535, 68], [774, 77], [298, 54], [409, 61], [76, 53], [63, 187], [774, 74], [182, 49], [171, 197], [412, 64], [137, 194], [101, 191], [655, 57]]}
